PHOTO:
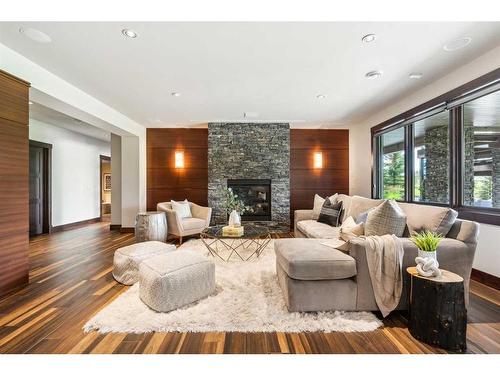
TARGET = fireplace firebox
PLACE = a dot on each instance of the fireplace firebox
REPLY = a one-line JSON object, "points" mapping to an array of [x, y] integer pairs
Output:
{"points": [[255, 193]]}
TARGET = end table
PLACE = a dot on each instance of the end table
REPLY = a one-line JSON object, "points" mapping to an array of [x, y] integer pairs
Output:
{"points": [[437, 313]]}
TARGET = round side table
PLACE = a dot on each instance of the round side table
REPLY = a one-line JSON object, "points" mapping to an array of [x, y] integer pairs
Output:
{"points": [[437, 313], [151, 226]]}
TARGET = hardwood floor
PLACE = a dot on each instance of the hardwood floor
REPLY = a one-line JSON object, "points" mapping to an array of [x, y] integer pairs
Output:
{"points": [[70, 280]]}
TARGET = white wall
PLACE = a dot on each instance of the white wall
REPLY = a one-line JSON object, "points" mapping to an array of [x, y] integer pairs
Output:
{"points": [[116, 180], [75, 172], [54, 92], [487, 257]]}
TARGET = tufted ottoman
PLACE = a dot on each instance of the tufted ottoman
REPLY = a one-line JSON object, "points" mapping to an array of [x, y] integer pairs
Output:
{"points": [[127, 259], [172, 280]]}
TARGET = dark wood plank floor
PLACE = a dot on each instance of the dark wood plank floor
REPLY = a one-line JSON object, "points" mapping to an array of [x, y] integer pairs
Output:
{"points": [[70, 280]]}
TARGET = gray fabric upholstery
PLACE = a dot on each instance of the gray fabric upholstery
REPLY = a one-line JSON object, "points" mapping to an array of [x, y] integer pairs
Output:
{"points": [[127, 259], [308, 259], [319, 295], [315, 229], [455, 253], [424, 217], [386, 218], [170, 281]]}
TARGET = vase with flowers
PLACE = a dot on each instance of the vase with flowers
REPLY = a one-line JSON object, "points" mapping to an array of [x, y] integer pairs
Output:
{"points": [[235, 207]]}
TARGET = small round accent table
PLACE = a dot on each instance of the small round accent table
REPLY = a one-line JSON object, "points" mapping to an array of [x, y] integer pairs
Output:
{"points": [[151, 226], [437, 314], [253, 241]]}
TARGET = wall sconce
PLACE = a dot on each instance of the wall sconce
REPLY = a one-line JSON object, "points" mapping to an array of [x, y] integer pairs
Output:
{"points": [[179, 159], [318, 160]]}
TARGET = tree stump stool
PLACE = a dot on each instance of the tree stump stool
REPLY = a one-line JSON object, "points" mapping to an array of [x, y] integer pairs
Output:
{"points": [[151, 226], [437, 314]]}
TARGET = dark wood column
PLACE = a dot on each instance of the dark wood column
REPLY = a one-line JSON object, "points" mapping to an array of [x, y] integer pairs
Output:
{"points": [[14, 187]]}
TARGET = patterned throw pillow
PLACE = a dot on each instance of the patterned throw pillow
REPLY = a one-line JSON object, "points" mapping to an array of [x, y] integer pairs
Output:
{"points": [[387, 218], [182, 208], [318, 204], [330, 213]]}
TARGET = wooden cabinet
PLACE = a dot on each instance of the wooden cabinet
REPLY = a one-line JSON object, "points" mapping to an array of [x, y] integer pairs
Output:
{"points": [[14, 188]]}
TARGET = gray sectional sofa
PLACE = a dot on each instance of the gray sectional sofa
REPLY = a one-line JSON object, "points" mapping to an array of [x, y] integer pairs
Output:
{"points": [[315, 277]]}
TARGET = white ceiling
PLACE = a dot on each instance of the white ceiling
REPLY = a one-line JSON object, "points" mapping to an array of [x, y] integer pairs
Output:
{"points": [[50, 116], [225, 69]]}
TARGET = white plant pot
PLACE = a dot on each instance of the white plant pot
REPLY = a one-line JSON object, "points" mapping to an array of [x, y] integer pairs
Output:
{"points": [[234, 219], [427, 254]]}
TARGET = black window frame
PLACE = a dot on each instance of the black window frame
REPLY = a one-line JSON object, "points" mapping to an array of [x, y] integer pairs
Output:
{"points": [[487, 215]]}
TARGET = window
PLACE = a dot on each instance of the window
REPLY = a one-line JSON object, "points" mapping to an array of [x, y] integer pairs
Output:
{"points": [[393, 164], [481, 152], [431, 159], [445, 152]]}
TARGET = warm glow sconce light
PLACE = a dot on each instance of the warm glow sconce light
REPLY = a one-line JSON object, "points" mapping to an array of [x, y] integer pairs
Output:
{"points": [[318, 160], [179, 159]]}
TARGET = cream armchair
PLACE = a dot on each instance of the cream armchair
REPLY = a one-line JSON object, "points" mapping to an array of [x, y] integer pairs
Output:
{"points": [[187, 226]]}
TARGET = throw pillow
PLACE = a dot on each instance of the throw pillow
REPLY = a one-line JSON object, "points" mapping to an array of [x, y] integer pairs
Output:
{"points": [[318, 204], [330, 213], [349, 230], [387, 218], [182, 209]]}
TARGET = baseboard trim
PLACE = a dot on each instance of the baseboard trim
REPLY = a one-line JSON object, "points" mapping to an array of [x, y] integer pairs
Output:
{"points": [[485, 278], [76, 224], [127, 230], [115, 226]]}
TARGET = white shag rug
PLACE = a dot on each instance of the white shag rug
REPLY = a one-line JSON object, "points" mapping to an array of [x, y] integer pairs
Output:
{"points": [[248, 299]]}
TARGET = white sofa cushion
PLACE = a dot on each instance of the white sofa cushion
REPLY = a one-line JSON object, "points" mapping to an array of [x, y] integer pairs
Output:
{"points": [[359, 205], [313, 229], [193, 223]]}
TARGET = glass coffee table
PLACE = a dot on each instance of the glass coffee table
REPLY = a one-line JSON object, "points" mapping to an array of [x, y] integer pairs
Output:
{"points": [[251, 244]]}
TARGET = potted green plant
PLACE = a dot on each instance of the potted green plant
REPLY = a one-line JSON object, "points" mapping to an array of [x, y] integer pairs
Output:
{"points": [[236, 207], [427, 243]]}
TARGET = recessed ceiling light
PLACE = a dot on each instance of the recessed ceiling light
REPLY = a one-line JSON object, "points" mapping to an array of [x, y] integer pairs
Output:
{"points": [[415, 75], [373, 74], [35, 35], [457, 44], [175, 94], [368, 38], [321, 96], [129, 33]]}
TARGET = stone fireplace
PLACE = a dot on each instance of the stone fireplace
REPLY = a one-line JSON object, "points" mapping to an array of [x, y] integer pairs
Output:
{"points": [[249, 151]]}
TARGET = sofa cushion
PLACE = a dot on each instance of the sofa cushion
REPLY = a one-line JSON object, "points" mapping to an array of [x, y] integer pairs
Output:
{"points": [[359, 205], [308, 259], [330, 213], [314, 229], [193, 223], [387, 218], [433, 218]]}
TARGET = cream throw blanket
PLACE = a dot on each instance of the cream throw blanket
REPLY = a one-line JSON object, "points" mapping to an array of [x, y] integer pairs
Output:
{"points": [[384, 255]]}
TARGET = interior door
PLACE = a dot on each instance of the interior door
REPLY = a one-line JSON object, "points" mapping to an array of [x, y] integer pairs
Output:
{"points": [[36, 190]]}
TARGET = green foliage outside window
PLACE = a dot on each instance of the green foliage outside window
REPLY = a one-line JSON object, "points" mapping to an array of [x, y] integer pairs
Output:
{"points": [[394, 175]]}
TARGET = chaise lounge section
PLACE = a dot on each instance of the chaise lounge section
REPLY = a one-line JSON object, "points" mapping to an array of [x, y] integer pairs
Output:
{"points": [[345, 291]]}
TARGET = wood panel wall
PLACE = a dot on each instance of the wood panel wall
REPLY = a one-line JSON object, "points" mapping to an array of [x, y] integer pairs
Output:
{"points": [[14, 183], [305, 181], [164, 182]]}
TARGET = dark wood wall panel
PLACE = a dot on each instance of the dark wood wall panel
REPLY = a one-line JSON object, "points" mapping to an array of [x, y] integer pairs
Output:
{"points": [[305, 181], [164, 181], [14, 184]]}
